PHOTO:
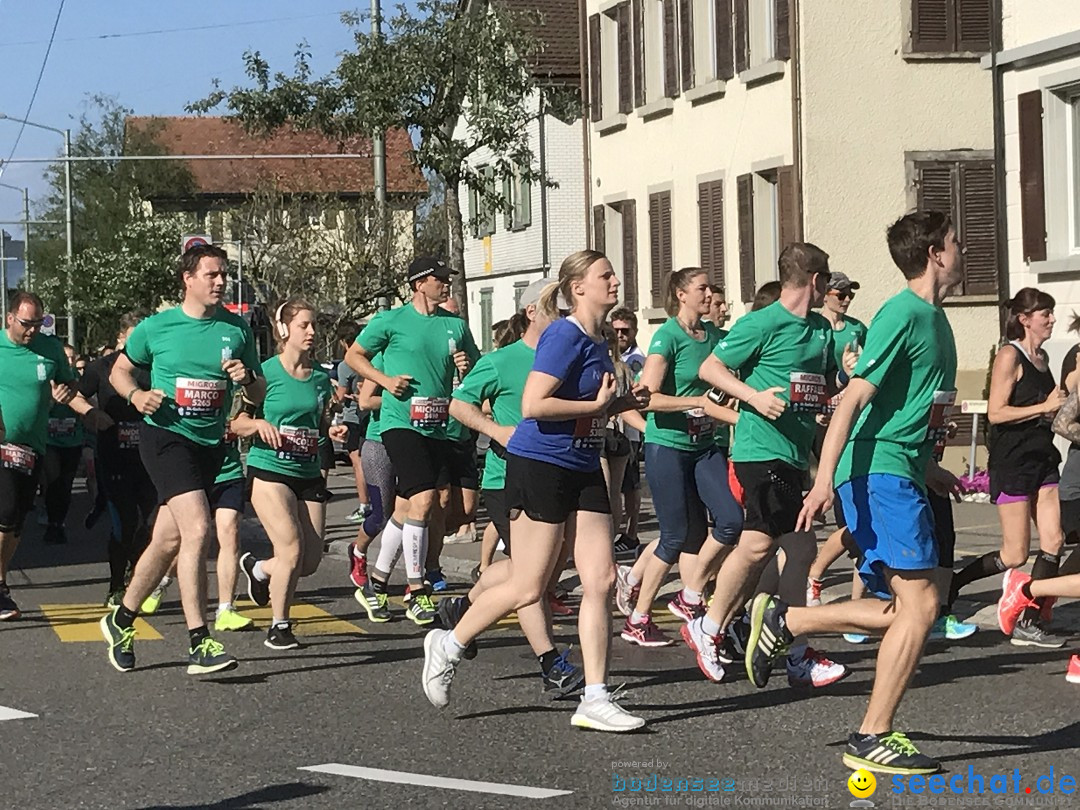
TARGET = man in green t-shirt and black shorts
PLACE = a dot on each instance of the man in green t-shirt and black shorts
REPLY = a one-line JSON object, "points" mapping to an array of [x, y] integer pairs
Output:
{"points": [[195, 352], [423, 346]]}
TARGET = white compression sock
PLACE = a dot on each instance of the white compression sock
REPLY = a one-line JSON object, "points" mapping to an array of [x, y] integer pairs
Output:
{"points": [[413, 536], [389, 548]]}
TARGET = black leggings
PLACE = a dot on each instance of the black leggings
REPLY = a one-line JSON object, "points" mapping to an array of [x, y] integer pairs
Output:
{"points": [[61, 464], [133, 503]]}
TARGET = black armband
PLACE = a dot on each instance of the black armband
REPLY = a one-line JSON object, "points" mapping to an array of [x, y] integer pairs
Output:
{"points": [[247, 407]]}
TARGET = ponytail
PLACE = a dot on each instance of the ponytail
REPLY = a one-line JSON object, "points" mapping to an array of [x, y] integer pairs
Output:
{"points": [[1025, 302], [679, 280]]}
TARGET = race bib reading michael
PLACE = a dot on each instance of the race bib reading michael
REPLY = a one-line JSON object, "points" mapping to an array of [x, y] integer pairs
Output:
{"points": [[589, 432], [937, 429], [199, 397], [18, 458], [808, 393], [429, 412], [298, 444], [699, 425]]}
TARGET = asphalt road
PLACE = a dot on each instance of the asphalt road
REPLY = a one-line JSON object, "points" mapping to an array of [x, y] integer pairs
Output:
{"points": [[349, 704]]}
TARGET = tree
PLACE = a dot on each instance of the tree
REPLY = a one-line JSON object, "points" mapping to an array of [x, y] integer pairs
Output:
{"points": [[443, 63]]}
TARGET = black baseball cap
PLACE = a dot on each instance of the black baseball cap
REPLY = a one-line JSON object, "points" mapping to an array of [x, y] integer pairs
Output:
{"points": [[424, 266]]}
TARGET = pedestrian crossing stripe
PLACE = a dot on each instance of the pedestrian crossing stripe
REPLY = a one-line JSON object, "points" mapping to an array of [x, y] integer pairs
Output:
{"points": [[14, 714], [308, 621], [506, 621]]}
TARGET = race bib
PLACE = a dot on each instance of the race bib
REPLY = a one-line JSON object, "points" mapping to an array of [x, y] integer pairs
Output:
{"points": [[808, 393], [834, 401], [298, 444], [699, 426], [62, 428], [589, 432], [429, 412], [18, 458], [127, 435], [199, 397], [938, 426]]}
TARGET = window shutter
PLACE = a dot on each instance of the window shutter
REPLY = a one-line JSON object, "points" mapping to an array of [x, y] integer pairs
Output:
{"points": [[659, 243], [974, 25], [599, 231], [472, 223], [628, 209], [788, 203], [671, 53], [933, 26], [978, 231], [524, 212], [725, 42], [487, 203], [1032, 191], [665, 234], [596, 111], [509, 220], [705, 227], [936, 188], [742, 38], [711, 228], [686, 42], [626, 58], [747, 276], [638, 21], [782, 30]]}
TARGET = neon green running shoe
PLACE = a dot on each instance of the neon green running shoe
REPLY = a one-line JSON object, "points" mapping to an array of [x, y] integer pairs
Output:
{"points": [[421, 610], [229, 620], [151, 603], [208, 657]]}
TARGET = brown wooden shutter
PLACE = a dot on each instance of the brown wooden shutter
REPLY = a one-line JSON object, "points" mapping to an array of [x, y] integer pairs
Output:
{"points": [[686, 42], [659, 243], [1032, 189], [671, 50], [599, 231], [666, 263], [711, 229], [626, 60], [747, 275], [974, 25], [788, 203], [978, 231], [782, 29], [628, 209], [742, 36], [933, 26], [705, 227], [596, 111], [725, 40], [936, 184], [638, 21]]}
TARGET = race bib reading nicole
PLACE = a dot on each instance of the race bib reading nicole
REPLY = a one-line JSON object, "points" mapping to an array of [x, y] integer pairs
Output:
{"points": [[199, 397], [298, 444]]}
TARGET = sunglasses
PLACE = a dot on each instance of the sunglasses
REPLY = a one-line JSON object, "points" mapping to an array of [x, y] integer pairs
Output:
{"points": [[622, 330], [30, 324], [843, 294]]}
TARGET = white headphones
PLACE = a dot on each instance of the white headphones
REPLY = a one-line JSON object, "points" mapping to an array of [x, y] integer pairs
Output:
{"points": [[280, 326]]}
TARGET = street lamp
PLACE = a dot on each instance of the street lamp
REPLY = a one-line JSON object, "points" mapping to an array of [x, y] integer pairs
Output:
{"points": [[67, 211], [26, 235]]}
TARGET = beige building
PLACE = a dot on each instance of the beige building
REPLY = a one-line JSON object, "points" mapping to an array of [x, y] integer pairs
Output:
{"points": [[721, 130]]}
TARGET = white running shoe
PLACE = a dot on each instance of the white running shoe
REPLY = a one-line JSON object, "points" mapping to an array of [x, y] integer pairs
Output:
{"points": [[624, 591], [706, 648], [605, 715], [814, 669], [438, 672], [813, 592]]}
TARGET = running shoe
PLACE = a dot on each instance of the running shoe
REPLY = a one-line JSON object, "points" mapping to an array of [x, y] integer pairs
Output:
{"points": [[626, 595], [8, 609], [1032, 634], [438, 672], [645, 634], [1012, 602], [887, 753], [951, 629], [739, 631], [281, 637], [209, 656], [557, 606], [258, 590], [856, 638], [563, 678], [229, 620], [151, 603], [769, 637], [474, 575], [467, 536], [421, 610], [359, 514], [814, 669], [813, 592], [1072, 675], [450, 612], [705, 647], [357, 567], [121, 641], [626, 548], [604, 715], [684, 610], [436, 580], [376, 604]]}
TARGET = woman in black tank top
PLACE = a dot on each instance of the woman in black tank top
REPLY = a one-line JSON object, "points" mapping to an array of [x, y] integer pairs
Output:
{"points": [[1023, 461]]}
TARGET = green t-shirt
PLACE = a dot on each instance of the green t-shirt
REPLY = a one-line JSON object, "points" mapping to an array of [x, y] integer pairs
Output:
{"points": [[65, 427], [773, 347], [421, 346], [853, 331], [295, 407], [685, 430], [25, 390], [184, 355], [374, 426], [499, 377], [910, 357]]}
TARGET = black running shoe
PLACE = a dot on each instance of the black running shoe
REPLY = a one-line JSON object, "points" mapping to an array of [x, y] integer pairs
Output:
{"points": [[8, 609], [1027, 633], [769, 637], [739, 633], [626, 548], [121, 641], [450, 612], [887, 753], [258, 590], [281, 637], [563, 679]]}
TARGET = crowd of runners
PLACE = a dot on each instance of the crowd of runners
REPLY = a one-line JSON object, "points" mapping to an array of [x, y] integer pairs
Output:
{"points": [[725, 424]]}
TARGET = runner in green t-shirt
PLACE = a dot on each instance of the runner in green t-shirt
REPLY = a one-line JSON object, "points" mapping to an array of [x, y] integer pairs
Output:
{"points": [[287, 488], [194, 352], [877, 453], [848, 332], [423, 347], [784, 358]]}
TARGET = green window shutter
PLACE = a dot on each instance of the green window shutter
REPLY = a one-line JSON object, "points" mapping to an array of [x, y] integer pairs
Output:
{"points": [[524, 216], [488, 209], [509, 218], [472, 212]]}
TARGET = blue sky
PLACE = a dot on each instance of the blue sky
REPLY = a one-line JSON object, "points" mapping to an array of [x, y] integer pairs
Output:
{"points": [[151, 73]]}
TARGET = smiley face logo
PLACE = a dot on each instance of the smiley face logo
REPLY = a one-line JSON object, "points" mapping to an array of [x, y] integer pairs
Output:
{"points": [[862, 783]]}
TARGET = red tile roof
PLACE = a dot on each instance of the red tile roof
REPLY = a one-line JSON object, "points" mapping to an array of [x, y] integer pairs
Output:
{"points": [[210, 135]]}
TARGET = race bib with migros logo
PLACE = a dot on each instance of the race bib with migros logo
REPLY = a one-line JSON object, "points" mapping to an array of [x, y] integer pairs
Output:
{"points": [[199, 397]]}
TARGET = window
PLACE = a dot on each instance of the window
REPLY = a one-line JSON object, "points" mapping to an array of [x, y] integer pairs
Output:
{"points": [[658, 42], [615, 234], [519, 290], [713, 43], [517, 192], [485, 320], [611, 61], [1073, 152], [768, 209], [660, 260], [761, 32], [951, 26], [481, 205]]}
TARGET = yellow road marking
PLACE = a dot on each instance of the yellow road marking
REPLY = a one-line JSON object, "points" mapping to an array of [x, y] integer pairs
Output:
{"points": [[80, 623], [310, 621]]}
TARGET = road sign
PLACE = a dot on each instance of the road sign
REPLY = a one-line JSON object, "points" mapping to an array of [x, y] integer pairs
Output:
{"points": [[48, 324], [190, 240], [974, 406]]}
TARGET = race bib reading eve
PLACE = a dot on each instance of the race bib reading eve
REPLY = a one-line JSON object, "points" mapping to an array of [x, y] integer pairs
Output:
{"points": [[429, 411], [699, 425], [199, 397], [937, 429], [808, 393], [18, 458], [589, 432]]}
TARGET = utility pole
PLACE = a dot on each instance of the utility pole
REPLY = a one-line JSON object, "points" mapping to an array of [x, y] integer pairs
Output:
{"points": [[69, 234], [378, 149]]}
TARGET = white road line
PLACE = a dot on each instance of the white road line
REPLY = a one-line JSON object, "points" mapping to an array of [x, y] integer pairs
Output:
{"points": [[13, 714], [405, 778]]}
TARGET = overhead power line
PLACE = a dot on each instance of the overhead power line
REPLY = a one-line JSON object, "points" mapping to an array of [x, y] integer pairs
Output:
{"points": [[37, 84]]}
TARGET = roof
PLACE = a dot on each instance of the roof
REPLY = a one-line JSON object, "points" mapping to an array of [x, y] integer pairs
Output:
{"points": [[559, 58], [214, 135]]}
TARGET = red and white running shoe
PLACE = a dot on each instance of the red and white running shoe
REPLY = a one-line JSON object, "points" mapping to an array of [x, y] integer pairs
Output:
{"points": [[357, 567], [1012, 602], [814, 669]]}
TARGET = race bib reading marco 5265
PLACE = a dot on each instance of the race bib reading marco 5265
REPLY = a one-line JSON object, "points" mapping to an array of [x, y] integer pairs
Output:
{"points": [[199, 397]]}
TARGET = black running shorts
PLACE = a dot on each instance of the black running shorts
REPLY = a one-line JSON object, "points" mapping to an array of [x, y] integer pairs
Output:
{"points": [[229, 495], [176, 464], [495, 503], [461, 469], [418, 460], [772, 496], [548, 493], [17, 491], [305, 489]]}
